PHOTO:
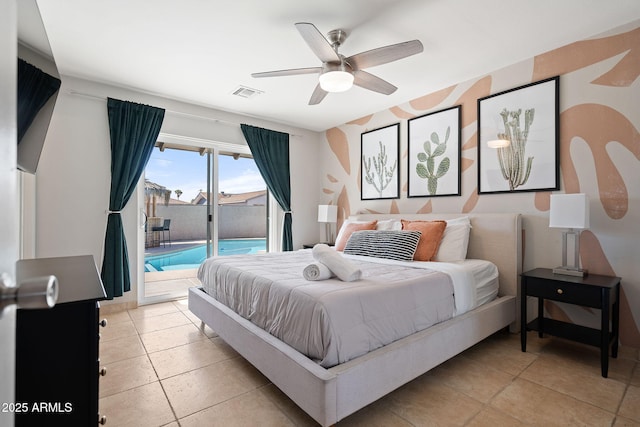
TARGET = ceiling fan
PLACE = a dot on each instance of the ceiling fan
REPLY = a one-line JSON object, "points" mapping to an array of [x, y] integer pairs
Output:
{"points": [[339, 73]]}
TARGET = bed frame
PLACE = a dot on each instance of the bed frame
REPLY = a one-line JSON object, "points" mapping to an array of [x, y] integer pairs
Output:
{"points": [[329, 395]]}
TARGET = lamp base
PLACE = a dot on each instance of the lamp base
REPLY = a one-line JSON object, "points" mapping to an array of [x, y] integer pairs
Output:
{"points": [[570, 271]]}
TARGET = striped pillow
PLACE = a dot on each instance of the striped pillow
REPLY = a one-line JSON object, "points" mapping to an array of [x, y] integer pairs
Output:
{"points": [[397, 245]]}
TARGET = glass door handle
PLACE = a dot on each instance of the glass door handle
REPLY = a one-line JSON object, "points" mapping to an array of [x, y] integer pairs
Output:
{"points": [[32, 293], [143, 218]]}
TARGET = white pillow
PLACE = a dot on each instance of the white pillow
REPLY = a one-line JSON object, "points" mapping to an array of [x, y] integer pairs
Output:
{"points": [[455, 241], [389, 225]]}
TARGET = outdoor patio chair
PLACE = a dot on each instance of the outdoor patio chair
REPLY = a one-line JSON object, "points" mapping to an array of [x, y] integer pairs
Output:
{"points": [[164, 227]]}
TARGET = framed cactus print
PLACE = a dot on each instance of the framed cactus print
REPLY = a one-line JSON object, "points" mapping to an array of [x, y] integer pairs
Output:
{"points": [[518, 139], [380, 150], [434, 154]]}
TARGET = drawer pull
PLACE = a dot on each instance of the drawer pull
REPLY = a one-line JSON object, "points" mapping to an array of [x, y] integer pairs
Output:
{"points": [[559, 291], [102, 419], [103, 323], [103, 371]]}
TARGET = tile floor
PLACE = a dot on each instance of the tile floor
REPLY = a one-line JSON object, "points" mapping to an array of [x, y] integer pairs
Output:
{"points": [[177, 286], [162, 370]]}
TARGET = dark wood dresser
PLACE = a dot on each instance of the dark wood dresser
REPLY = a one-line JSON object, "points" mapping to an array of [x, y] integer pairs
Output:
{"points": [[57, 365]]}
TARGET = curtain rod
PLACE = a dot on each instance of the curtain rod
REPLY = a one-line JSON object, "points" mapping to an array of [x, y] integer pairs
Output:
{"points": [[180, 113]]}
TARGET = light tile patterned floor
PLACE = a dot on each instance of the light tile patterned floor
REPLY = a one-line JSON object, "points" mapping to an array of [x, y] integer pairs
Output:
{"points": [[164, 371]]}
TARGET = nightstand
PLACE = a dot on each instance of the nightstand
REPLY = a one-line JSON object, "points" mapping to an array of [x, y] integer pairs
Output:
{"points": [[600, 292]]}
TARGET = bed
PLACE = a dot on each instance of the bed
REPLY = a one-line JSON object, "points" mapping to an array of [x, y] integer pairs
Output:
{"points": [[330, 393]]}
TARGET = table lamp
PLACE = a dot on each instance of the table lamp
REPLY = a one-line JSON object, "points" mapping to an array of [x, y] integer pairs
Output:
{"points": [[570, 211], [329, 215]]}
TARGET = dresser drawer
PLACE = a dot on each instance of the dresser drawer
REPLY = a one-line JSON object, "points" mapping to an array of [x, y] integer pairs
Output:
{"points": [[573, 293]]}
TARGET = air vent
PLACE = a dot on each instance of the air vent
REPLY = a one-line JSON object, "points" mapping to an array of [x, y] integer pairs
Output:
{"points": [[246, 92]]}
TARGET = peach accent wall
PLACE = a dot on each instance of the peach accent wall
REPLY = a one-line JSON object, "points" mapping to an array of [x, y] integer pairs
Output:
{"points": [[599, 155]]}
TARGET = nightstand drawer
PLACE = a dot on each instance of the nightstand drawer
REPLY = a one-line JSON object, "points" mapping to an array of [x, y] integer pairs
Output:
{"points": [[574, 293]]}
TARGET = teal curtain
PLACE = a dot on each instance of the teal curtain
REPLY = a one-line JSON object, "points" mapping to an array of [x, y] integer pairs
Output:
{"points": [[270, 150], [35, 87], [134, 129]]}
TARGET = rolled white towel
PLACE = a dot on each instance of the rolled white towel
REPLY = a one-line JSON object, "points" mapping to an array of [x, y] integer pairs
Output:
{"points": [[341, 267], [317, 271]]}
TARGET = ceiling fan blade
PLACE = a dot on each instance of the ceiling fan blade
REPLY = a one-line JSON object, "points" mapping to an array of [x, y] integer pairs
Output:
{"points": [[318, 95], [290, 72], [316, 41], [385, 54], [371, 82]]}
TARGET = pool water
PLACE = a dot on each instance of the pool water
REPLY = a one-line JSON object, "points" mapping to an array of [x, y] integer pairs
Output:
{"points": [[193, 257]]}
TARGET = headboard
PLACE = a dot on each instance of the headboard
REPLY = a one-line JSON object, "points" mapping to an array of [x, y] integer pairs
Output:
{"points": [[496, 237]]}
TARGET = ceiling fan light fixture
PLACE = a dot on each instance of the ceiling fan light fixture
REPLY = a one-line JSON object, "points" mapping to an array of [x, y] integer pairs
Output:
{"points": [[336, 81], [339, 73]]}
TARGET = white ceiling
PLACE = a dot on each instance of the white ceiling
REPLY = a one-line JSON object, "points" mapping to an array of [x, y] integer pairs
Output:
{"points": [[201, 50]]}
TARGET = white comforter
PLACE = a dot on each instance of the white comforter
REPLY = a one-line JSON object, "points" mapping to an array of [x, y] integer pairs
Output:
{"points": [[333, 321]]}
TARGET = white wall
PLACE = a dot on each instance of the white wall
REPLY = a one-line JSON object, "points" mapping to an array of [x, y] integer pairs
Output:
{"points": [[189, 222], [73, 178], [598, 145]]}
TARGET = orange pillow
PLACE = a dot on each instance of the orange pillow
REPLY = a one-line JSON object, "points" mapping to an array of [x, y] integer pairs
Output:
{"points": [[432, 232], [348, 228]]}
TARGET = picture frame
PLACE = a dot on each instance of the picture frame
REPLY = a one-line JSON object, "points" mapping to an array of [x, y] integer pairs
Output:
{"points": [[519, 139], [434, 157], [380, 155]]}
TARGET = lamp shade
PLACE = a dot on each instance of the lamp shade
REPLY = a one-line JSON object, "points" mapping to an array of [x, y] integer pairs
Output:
{"points": [[569, 211], [336, 81], [327, 213]]}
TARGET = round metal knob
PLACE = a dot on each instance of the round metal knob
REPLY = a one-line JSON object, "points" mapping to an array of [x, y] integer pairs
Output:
{"points": [[39, 292], [103, 323], [34, 293], [103, 371], [102, 419], [560, 291]]}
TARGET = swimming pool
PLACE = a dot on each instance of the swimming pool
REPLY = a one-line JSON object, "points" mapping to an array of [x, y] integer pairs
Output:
{"points": [[193, 257]]}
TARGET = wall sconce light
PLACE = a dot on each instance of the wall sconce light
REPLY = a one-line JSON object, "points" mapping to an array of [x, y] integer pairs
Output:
{"points": [[570, 211]]}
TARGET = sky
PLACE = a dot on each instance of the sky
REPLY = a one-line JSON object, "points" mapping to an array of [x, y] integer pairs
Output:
{"points": [[187, 171]]}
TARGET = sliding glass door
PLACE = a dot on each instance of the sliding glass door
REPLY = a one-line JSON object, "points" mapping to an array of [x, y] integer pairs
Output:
{"points": [[176, 229], [241, 206], [199, 202]]}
